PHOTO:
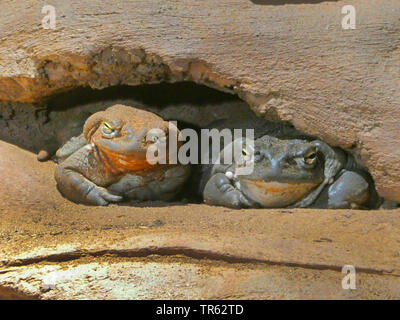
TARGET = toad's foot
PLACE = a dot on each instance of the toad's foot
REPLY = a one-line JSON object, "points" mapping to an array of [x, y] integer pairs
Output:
{"points": [[77, 188], [220, 191]]}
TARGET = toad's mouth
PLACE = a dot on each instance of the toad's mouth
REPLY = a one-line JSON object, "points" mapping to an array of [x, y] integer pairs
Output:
{"points": [[274, 194]]}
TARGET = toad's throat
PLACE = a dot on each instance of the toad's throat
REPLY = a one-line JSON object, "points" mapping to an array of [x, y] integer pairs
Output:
{"points": [[273, 194], [122, 163]]}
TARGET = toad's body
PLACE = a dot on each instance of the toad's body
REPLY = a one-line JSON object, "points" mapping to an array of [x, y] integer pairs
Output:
{"points": [[289, 173], [108, 163]]}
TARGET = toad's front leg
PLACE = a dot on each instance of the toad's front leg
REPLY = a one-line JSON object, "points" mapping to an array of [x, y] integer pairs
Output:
{"points": [[220, 191], [77, 176], [349, 191]]}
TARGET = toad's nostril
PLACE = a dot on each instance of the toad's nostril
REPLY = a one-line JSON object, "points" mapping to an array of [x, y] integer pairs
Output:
{"points": [[257, 156], [286, 165]]}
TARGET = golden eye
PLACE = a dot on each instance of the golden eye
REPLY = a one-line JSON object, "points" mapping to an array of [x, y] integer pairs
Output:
{"points": [[310, 158], [107, 128]]}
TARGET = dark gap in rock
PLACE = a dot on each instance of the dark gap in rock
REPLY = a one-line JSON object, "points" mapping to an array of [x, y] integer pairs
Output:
{"points": [[156, 95]]}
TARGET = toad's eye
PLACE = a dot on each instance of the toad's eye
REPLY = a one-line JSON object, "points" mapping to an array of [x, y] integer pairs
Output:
{"points": [[310, 158], [107, 128], [247, 154]]}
